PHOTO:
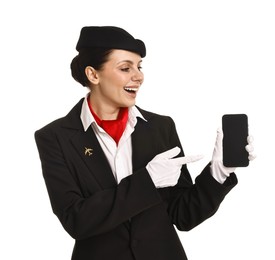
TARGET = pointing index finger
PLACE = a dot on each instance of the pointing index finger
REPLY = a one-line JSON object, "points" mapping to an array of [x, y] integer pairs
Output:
{"points": [[186, 159], [170, 153]]}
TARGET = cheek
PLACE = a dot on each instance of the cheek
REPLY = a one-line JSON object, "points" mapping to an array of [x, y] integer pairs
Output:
{"points": [[114, 81], [111, 86], [119, 81]]}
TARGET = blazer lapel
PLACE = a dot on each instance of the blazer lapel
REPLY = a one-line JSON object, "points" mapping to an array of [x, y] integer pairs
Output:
{"points": [[92, 154], [142, 144], [89, 149]]}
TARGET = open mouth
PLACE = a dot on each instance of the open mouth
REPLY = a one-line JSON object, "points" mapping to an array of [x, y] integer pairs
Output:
{"points": [[131, 90]]}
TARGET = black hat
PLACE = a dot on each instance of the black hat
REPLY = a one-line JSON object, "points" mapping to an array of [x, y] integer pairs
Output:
{"points": [[109, 37]]}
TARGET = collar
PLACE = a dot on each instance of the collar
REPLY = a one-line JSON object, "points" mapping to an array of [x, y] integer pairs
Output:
{"points": [[87, 118]]}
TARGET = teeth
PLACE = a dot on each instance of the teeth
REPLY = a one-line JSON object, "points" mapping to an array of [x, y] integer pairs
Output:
{"points": [[131, 89]]}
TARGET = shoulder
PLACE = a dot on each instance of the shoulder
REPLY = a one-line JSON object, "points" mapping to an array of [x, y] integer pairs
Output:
{"points": [[154, 117], [159, 130], [71, 120], [157, 123]]}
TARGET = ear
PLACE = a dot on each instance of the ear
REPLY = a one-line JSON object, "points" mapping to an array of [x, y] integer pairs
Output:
{"points": [[92, 75]]}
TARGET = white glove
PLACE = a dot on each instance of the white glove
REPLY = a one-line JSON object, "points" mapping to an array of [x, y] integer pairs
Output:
{"points": [[165, 170], [218, 170]]}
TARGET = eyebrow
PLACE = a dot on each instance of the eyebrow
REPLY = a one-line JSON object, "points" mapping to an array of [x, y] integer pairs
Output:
{"points": [[128, 61]]}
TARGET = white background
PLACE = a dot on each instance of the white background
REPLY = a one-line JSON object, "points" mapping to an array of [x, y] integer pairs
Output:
{"points": [[205, 58]]}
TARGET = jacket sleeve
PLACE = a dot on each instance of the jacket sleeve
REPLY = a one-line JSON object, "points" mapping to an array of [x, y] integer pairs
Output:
{"points": [[104, 210], [191, 203]]}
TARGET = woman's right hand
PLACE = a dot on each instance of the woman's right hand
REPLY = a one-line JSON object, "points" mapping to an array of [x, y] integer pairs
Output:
{"points": [[165, 170]]}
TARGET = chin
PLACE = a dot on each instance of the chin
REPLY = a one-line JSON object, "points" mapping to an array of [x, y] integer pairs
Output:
{"points": [[128, 104], [131, 104]]}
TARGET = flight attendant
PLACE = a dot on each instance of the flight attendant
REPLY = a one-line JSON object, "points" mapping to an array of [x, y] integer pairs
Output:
{"points": [[116, 174]]}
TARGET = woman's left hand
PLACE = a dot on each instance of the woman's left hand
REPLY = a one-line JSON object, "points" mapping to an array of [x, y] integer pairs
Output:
{"points": [[218, 170]]}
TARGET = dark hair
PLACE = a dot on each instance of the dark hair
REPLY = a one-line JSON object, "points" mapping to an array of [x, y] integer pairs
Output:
{"points": [[94, 57]]}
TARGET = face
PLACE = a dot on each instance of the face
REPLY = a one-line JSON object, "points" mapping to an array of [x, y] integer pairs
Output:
{"points": [[118, 81]]}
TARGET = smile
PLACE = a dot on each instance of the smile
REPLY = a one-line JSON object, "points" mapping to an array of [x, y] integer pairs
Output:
{"points": [[131, 89]]}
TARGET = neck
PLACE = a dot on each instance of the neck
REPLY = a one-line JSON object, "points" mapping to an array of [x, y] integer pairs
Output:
{"points": [[103, 111]]}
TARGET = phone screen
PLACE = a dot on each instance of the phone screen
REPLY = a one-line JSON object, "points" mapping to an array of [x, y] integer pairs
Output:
{"points": [[235, 132]]}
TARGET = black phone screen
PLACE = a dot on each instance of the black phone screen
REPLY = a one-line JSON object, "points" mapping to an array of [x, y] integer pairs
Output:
{"points": [[235, 132]]}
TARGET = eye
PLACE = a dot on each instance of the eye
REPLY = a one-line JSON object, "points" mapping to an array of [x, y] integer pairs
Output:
{"points": [[125, 69], [139, 68]]}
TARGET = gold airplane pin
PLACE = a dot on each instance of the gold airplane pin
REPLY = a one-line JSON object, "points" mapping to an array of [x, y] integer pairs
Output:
{"points": [[88, 151]]}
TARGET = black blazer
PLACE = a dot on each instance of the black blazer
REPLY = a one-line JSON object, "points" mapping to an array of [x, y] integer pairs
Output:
{"points": [[132, 219]]}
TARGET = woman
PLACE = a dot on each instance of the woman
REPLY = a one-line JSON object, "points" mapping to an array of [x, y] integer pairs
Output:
{"points": [[116, 174]]}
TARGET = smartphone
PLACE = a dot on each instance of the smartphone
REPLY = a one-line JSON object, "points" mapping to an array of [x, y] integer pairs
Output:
{"points": [[235, 132]]}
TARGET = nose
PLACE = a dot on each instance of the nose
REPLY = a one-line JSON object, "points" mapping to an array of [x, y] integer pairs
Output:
{"points": [[138, 76]]}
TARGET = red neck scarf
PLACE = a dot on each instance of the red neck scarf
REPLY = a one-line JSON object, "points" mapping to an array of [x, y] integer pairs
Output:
{"points": [[114, 128]]}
